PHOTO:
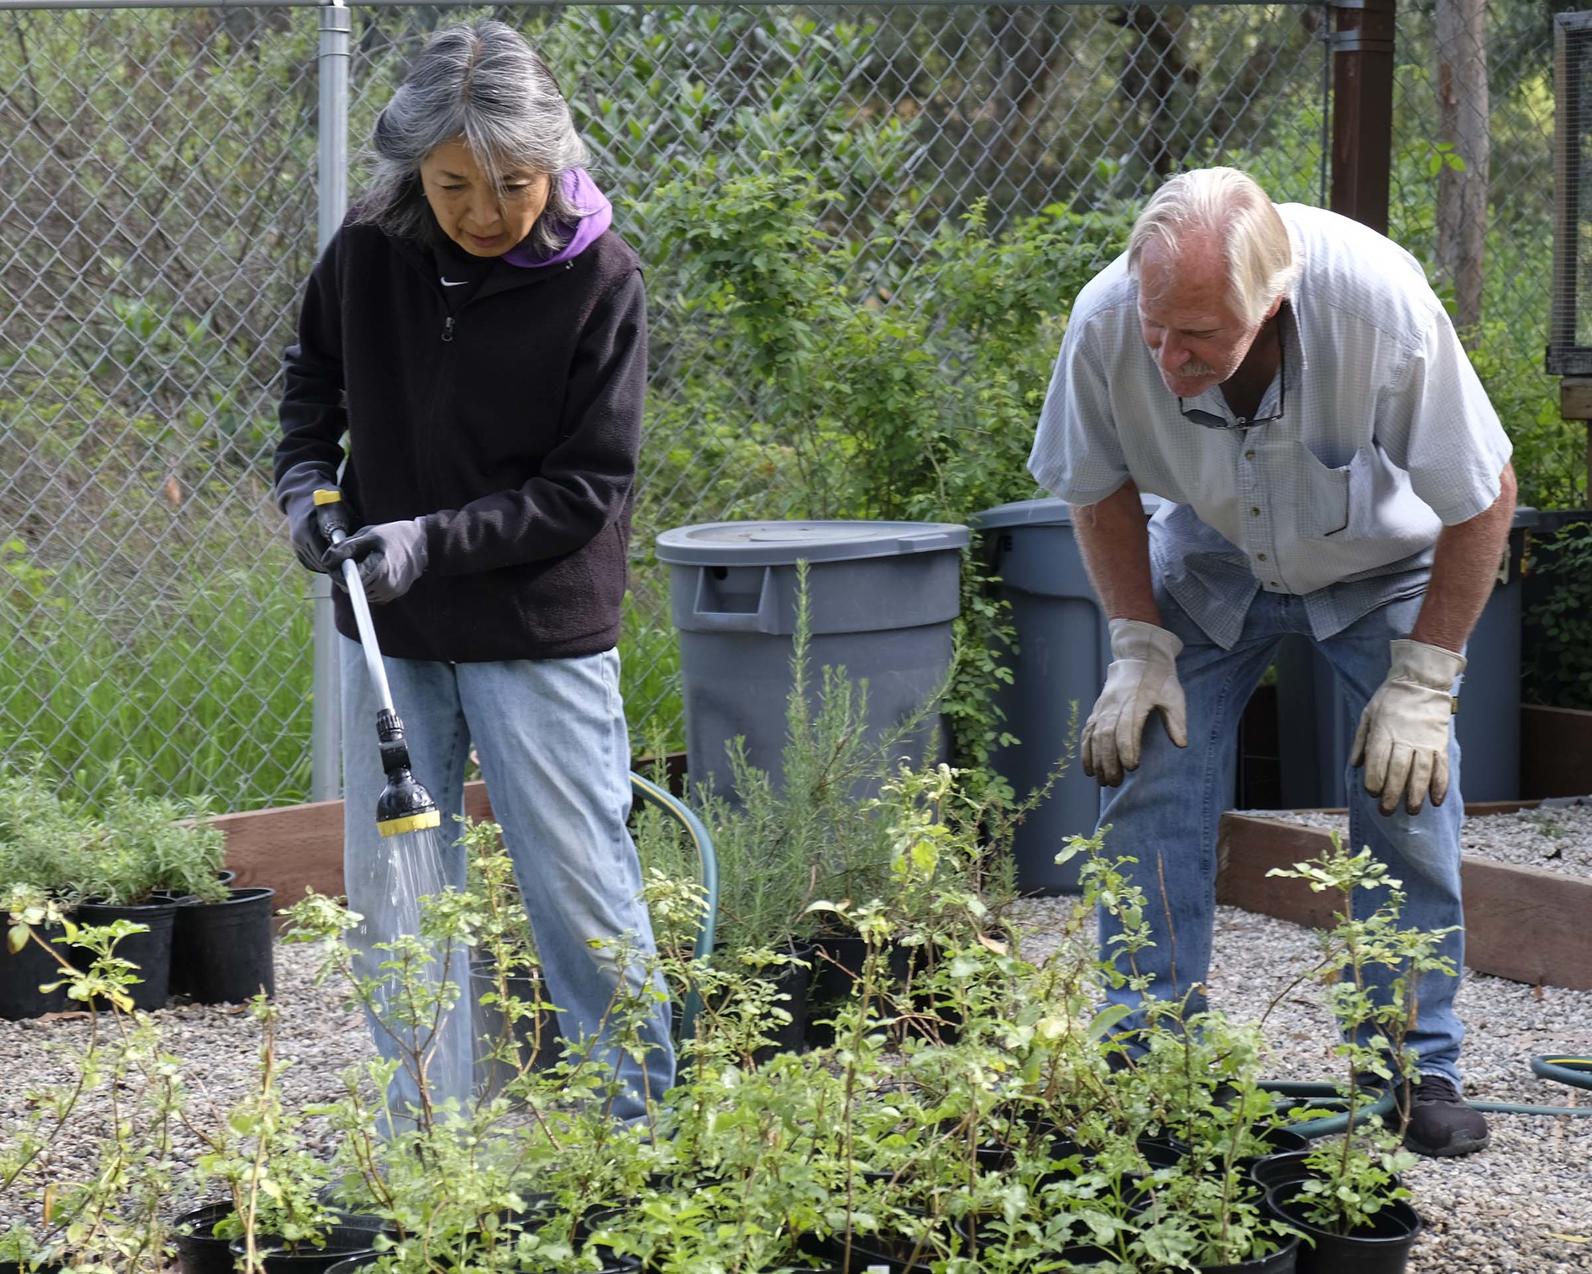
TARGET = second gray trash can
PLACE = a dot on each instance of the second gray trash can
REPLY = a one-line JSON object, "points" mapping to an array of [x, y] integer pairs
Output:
{"points": [[1315, 757], [1063, 649], [882, 597]]}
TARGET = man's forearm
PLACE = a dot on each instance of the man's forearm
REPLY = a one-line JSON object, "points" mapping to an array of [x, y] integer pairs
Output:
{"points": [[1463, 570], [1116, 553]]}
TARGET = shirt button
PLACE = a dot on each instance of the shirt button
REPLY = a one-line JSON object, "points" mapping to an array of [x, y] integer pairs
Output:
{"points": [[1254, 512], [1249, 455], [1275, 584], [1261, 556], [1243, 420]]}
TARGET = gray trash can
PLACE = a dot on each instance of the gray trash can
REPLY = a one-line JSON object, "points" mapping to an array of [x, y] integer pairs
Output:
{"points": [[1315, 761], [882, 597], [1063, 649]]}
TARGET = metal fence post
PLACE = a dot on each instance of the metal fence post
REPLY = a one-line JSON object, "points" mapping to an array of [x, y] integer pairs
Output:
{"points": [[326, 724], [1362, 108]]}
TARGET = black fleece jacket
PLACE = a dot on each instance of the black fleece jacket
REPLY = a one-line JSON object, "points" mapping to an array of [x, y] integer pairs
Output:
{"points": [[510, 425]]}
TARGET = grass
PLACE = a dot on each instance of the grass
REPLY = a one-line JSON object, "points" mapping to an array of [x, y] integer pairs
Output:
{"points": [[204, 690], [201, 691]]}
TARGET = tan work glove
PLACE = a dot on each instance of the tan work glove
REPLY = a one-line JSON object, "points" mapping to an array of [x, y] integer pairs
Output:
{"points": [[1142, 677], [1403, 733]]}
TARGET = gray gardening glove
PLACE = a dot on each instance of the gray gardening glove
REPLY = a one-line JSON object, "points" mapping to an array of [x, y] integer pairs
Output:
{"points": [[1403, 733], [1141, 679], [391, 557], [295, 497]]}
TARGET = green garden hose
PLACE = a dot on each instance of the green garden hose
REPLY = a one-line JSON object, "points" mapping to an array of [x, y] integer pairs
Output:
{"points": [[708, 864], [1576, 1072]]}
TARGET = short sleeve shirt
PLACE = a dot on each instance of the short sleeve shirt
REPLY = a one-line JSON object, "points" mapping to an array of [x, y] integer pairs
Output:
{"points": [[1375, 434]]}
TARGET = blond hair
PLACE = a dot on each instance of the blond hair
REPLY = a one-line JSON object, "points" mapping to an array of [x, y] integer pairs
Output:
{"points": [[1231, 206]]}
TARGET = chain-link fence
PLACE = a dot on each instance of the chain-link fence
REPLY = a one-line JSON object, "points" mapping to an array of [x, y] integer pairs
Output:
{"points": [[158, 190]]}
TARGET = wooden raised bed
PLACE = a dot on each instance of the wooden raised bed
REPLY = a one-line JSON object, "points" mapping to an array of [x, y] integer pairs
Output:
{"points": [[1522, 923], [1555, 751], [298, 847]]}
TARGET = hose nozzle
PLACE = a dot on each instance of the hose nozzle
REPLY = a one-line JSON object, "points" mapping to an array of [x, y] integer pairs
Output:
{"points": [[404, 805]]}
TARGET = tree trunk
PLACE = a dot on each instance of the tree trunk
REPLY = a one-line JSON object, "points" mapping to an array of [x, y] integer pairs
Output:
{"points": [[1463, 118], [1153, 70]]}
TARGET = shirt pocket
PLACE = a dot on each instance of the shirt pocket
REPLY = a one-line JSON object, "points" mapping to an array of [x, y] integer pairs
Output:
{"points": [[1324, 496]]}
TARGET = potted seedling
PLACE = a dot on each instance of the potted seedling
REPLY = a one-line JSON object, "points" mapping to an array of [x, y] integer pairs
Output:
{"points": [[133, 861], [1353, 1207], [40, 840], [36, 944], [158, 851], [102, 1196], [278, 1221], [513, 1026]]}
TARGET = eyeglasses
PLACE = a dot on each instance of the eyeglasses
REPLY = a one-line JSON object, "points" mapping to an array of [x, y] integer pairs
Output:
{"points": [[1211, 420]]}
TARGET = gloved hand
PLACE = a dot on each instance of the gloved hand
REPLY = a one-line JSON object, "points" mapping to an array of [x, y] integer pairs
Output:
{"points": [[1403, 734], [391, 557], [294, 495], [1142, 677]]}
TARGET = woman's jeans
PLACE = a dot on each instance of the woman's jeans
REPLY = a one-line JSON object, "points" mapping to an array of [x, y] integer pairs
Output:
{"points": [[1166, 812], [551, 739]]}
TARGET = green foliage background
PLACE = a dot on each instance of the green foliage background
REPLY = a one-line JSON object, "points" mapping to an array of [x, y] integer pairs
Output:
{"points": [[863, 229]]}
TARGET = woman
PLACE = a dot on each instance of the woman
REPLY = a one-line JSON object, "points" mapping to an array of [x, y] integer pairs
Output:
{"points": [[480, 333]]}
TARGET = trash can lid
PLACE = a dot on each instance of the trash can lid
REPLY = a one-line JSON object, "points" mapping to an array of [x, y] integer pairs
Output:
{"points": [[1046, 512], [783, 543]]}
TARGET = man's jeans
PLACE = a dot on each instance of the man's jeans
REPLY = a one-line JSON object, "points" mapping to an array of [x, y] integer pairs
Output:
{"points": [[551, 739], [1165, 814]]}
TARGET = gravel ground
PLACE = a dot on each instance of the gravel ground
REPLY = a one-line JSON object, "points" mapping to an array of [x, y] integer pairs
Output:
{"points": [[1523, 1207], [1557, 837]]}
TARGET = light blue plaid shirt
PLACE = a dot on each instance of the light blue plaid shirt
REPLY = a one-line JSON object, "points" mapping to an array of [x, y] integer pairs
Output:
{"points": [[1375, 435]]}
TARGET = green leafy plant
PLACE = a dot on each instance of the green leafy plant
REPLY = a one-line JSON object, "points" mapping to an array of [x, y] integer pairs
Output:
{"points": [[254, 1157], [144, 844], [111, 1218], [119, 847], [1558, 628], [1369, 965]]}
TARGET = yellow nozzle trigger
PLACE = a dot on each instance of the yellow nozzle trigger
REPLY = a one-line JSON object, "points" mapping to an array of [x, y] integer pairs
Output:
{"points": [[327, 495], [409, 823]]}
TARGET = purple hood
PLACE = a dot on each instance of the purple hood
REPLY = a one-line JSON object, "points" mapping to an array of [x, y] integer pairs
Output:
{"points": [[596, 215]]}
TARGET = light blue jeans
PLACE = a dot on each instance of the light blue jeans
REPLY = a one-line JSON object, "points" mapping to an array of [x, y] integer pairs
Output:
{"points": [[551, 739], [1166, 813]]}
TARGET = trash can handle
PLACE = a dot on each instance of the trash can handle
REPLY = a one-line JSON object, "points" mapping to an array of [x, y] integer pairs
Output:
{"points": [[765, 619], [929, 539]]}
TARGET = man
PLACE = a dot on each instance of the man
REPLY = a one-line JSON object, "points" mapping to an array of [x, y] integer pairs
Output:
{"points": [[1286, 379]]}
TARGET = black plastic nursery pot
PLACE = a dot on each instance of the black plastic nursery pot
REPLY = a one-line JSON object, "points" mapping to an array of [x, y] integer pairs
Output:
{"points": [[875, 1254], [1384, 1248], [222, 952], [150, 951], [342, 1242], [794, 982], [1283, 1261], [200, 1252], [23, 972], [489, 1022], [1280, 1169], [1286, 1168], [837, 963], [1278, 1142]]}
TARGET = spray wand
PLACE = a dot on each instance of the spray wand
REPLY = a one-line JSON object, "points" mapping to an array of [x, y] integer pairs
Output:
{"points": [[404, 805]]}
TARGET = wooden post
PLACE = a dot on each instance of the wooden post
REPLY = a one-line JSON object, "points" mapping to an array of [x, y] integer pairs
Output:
{"points": [[1575, 403], [1362, 108]]}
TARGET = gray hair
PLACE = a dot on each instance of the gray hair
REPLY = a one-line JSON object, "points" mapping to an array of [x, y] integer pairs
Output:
{"points": [[1232, 206], [485, 84]]}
